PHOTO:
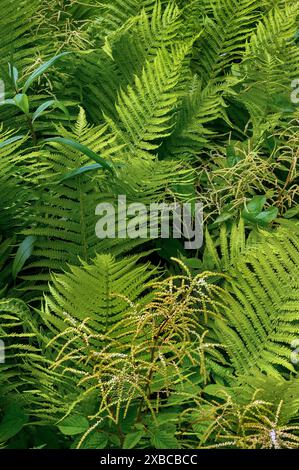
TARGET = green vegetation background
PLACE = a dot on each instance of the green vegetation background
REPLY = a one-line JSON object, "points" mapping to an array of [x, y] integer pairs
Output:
{"points": [[139, 343]]}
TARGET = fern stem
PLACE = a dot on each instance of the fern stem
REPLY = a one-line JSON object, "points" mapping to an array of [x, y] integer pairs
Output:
{"points": [[32, 130]]}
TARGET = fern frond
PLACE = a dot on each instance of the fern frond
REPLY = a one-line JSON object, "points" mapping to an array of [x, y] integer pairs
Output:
{"points": [[200, 107], [262, 307], [270, 62], [146, 110], [89, 292], [225, 35]]}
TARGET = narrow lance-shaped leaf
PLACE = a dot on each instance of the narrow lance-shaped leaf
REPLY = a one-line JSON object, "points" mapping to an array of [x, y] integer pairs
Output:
{"points": [[80, 171], [23, 253], [9, 101], [14, 74], [42, 69], [46, 105], [83, 149], [11, 140]]}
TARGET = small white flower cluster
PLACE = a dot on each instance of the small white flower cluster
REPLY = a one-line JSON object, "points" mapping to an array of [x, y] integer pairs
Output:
{"points": [[273, 438], [200, 282], [70, 319]]}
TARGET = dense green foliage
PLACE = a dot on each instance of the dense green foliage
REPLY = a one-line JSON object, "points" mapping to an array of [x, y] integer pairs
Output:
{"points": [[140, 343]]}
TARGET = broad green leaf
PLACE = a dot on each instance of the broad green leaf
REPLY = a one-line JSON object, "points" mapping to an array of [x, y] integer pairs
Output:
{"points": [[13, 421], [95, 440], [22, 102], [232, 157], [256, 204], [249, 216], [73, 425], [23, 253], [260, 217], [132, 439], [83, 149], [253, 208], [42, 69], [162, 439], [266, 217]]}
